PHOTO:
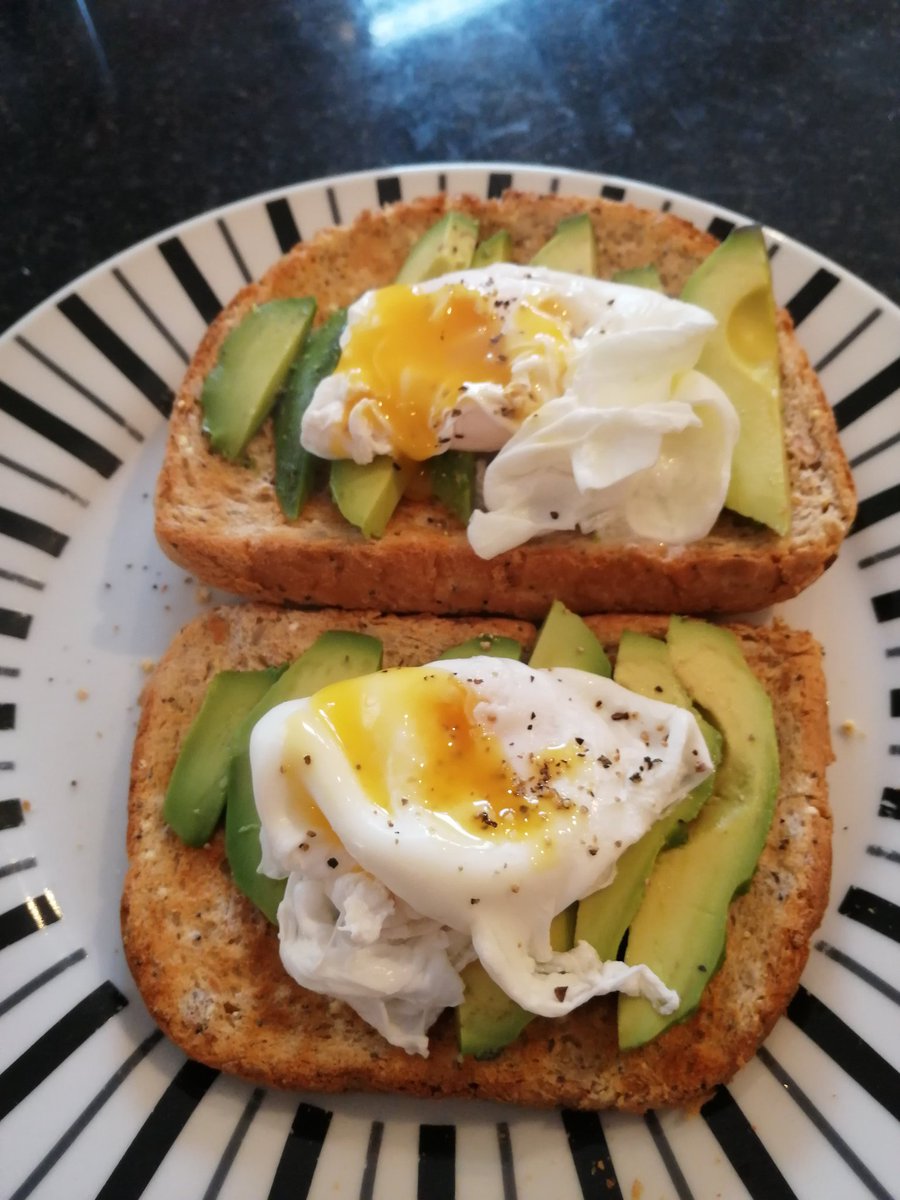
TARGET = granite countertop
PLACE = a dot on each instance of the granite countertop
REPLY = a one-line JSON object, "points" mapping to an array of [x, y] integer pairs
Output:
{"points": [[120, 117]]}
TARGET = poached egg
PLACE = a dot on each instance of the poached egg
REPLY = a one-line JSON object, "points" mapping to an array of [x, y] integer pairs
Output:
{"points": [[583, 390], [426, 816]]}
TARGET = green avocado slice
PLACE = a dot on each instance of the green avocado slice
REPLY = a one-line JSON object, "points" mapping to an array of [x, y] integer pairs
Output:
{"points": [[491, 644], [497, 248], [448, 245], [572, 248], [487, 1020], [645, 277], [195, 796], [741, 356], [564, 640], [295, 467], [679, 930], [643, 665], [240, 390], [335, 655], [368, 493], [452, 476]]}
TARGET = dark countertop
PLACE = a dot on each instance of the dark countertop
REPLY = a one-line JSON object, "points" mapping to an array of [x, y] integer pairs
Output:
{"points": [[119, 118]]}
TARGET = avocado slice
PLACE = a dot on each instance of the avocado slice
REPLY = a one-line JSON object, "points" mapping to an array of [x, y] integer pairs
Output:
{"points": [[447, 246], [195, 796], [368, 493], [494, 645], [295, 467], [496, 248], [334, 656], [679, 930], [645, 277], [452, 476], [572, 248], [255, 357], [643, 665], [741, 356], [487, 1020], [565, 641]]}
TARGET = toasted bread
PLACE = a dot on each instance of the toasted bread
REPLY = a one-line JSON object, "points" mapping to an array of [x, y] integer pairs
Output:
{"points": [[222, 521], [207, 963]]}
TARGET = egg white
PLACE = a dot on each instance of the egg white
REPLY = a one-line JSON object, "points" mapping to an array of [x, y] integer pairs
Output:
{"points": [[374, 889], [601, 428]]}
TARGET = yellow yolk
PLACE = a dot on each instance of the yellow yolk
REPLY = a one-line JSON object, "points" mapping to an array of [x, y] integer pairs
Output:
{"points": [[411, 737], [414, 353], [304, 813]]}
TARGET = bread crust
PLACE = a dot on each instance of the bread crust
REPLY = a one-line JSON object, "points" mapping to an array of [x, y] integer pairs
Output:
{"points": [[222, 521], [206, 961]]}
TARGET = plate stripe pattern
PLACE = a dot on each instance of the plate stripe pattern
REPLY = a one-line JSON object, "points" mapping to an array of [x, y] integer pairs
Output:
{"points": [[297, 1164], [153, 317], [867, 395], [850, 1051], [117, 350], [157, 1135], [28, 989], [744, 1149], [84, 1118], [436, 1175], [806, 1105], [191, 278], [437, 1162], [861, 972], [590, 1154], [283, 223], [251, 1108], [32, 915], [680, 1184], [57, 431], [42, 1058], [66, 376], [874, 911]]}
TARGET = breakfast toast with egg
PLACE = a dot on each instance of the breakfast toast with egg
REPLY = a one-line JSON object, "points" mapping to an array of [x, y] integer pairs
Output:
{"points": [[207, 962], [221, 520]]}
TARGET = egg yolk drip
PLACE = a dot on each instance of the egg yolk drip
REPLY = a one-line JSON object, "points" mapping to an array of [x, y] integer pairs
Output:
{"points": [[304, 812], [411, 738], [414, 352]]}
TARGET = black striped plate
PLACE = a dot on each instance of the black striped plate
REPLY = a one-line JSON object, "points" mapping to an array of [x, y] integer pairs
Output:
{"points": [[93, 1101]]}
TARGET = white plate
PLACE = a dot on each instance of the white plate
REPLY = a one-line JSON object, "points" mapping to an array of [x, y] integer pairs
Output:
{"points": [[93, 1101]]}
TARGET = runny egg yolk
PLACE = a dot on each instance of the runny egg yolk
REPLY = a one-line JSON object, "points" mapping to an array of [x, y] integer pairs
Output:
{"points": [[304, 813], [413, 353], [411, 738]]}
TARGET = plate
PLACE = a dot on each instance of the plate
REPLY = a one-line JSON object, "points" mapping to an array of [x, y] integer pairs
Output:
{"points": [[93, 1101]]}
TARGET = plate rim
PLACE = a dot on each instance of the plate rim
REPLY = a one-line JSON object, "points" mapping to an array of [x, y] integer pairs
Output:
{"points": [[356, 177], [350, 177]]}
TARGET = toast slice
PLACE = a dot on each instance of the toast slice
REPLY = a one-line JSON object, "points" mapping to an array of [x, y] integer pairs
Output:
{"points": [[207, 964], [222, 521]]}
